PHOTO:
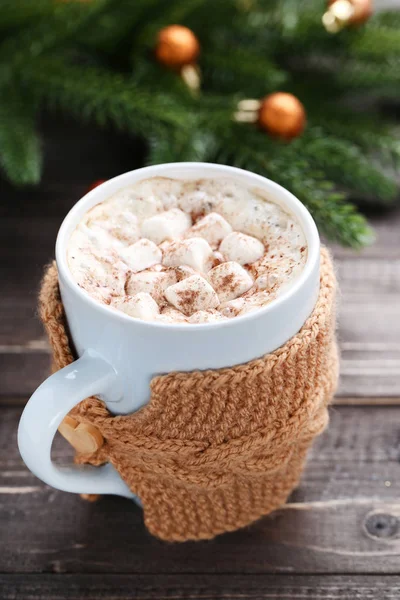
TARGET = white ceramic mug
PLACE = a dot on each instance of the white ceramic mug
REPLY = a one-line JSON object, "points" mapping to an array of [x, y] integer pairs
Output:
{"points": [[119, 355]]}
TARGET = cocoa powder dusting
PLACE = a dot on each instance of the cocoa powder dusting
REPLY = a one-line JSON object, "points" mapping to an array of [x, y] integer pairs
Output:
{"points": [[187, 299], [228, 283]]}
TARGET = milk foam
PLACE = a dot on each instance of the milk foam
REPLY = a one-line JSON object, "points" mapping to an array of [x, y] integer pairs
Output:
{"points": [[178, 251]]}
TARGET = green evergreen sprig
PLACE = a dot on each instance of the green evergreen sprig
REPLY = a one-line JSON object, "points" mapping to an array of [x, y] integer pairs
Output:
{"points": [[95, 61], [20, 147]]}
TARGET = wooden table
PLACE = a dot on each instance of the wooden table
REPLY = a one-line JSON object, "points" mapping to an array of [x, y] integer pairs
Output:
{"points": [[339, 536]]}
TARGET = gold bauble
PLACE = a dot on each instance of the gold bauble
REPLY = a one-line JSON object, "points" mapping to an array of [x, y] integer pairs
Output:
{"points": [[362, 10], [177, 46], [282, 115], [344, 13]]}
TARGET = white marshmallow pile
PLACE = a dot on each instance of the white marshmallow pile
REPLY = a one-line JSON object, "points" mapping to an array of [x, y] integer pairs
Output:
{"points": [[193, 252]]}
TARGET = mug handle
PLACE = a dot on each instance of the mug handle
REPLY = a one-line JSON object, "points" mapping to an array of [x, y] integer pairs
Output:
{"points": [[88, 376]]}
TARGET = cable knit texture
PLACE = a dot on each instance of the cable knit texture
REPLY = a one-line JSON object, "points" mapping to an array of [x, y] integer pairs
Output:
{"points": [[215, 450]]}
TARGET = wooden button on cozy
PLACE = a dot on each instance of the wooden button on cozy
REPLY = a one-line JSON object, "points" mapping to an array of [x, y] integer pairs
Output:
{"points": [[85, 438]]}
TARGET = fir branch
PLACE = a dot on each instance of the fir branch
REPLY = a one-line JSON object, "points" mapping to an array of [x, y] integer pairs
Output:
{"points": [[376, 41], [366, 129], [116, 27], [20, 148], [49, 32], [338, 219], [197, 147], [368, 133], [101, 96], [234, 69], [382, 146], [345, 164], [148, 73], [379, 76], [17, 13], [387, 18]]}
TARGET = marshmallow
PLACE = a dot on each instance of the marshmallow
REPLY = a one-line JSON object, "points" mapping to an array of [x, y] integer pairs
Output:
{"points": [[141, 306], [241, 248], [152, 282], [166, 225], [194, 252], [229, 280], [213, 228], [141, 255], [192, 294], [206, 316]]}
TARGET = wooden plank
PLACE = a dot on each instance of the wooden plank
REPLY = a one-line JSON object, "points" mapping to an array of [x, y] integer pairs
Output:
{"points": [[343, 518], [369, 326], [199, 587], [360, 401]]}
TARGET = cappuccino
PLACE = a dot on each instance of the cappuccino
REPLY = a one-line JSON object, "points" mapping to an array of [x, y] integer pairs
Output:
{"points": [[184, 251]]}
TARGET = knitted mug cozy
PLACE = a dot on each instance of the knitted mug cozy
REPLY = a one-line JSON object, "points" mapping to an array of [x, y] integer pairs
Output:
{"points": [[215, 450]]}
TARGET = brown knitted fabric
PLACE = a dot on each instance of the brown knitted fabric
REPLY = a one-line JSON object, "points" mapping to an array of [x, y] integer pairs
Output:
{"points": [[215, 450]]}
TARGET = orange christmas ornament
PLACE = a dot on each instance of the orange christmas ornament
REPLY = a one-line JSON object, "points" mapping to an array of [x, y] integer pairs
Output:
{"points": [[282, 115], [177, 46], [343, 13]]}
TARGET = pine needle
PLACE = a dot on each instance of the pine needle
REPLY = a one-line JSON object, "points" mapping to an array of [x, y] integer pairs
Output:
{"points": [[99, 95], [20, 148]]}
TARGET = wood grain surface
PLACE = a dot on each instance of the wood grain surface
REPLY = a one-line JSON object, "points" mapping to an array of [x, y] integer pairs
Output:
{"points": [[199, 587], [343, 518]]}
